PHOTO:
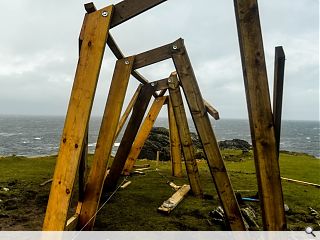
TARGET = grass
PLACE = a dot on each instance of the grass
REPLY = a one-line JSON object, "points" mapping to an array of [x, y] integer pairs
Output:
{"points": [[135, 208]]}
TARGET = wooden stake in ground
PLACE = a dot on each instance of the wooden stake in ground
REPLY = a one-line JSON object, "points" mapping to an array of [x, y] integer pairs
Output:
{"points": [[175, 146], [86, 78], [260, 115], [206, 135], [143, 134], [185, 137]]}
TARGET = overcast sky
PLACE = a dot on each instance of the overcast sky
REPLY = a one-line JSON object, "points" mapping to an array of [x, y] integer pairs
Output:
{"points": [[39, 51]]}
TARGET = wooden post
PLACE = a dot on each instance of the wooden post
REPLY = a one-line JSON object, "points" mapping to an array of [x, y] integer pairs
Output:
{"points": [[278, 92], [129, 135], [185, 137], [143, 134], [260, 115], [175, 146], [157, 158], [127, 111], [86, 78], [206, 135], [83, 168], [105, 141]]}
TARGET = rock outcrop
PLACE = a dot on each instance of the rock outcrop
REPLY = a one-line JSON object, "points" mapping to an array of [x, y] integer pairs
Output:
{"points": [[158, 140]]}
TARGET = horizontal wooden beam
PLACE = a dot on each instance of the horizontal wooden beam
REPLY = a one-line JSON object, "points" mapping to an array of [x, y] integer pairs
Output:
{"points": [[152, 56], [127, 9], [161, 84], [211, 110]]}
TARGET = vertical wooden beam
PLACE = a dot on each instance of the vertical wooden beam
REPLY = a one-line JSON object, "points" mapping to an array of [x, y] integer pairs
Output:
{"points": [[143, 134], [260, 115], [107, 132], [175, 146], [185, 137], [129, 135], [279, 61], [127, 111], [86, 78], [204, 128]]}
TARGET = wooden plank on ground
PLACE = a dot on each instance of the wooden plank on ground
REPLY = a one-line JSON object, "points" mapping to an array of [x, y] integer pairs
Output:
{"points": [[207, 137], [260, 114], [143, 134], [72, 223], [185, 137], [175, 146], [129, 135], [86, 78], [170, 204], [105, 141], [279, 62]]}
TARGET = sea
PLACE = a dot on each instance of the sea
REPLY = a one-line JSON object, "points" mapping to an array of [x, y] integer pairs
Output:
{"points": [[40, 135]]}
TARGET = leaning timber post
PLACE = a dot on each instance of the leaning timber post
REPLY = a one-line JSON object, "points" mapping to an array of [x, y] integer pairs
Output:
{"points": [[279, 61], [83, 168], [206, 135], [104, 145], [185, 137], [260, 114], [82, 95], [129, 135], [143, 134], [127, 111], [175, 146]]}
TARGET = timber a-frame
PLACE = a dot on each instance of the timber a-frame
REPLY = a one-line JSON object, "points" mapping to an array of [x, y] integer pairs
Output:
{"points": [[94, 36]]}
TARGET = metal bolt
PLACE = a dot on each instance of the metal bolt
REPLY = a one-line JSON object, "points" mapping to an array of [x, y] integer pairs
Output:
{"points": [[104, 13], [126, 62], [174, 47], [169, 80], [152, 84]]}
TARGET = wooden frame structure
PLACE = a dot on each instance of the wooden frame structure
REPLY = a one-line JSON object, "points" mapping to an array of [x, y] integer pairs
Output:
{"points": [[94, 36]]}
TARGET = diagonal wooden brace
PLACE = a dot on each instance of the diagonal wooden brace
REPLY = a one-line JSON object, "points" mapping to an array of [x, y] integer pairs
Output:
{"points": [[206, 135], [105, 142], [95, 34], [185, 137], [129, 135], [143, 134]]}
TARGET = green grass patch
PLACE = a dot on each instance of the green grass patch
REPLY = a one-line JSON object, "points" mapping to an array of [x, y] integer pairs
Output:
{"points": [[23, 206]]}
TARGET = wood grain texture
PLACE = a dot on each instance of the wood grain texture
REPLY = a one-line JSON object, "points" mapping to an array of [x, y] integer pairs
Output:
{"points": [[143, 134], [185, 137], [152, 56], [260, 114], [207, 137], [128, 9], [126, 113], [129, 135], [170, 204], [105, 142], [211, 110], [94, 37], [279, 62], [175, 145]]}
